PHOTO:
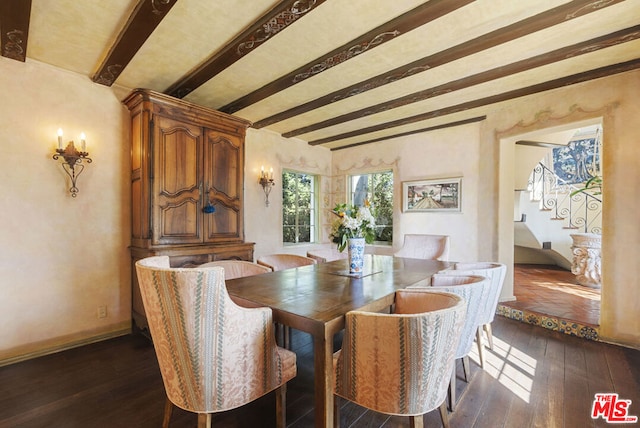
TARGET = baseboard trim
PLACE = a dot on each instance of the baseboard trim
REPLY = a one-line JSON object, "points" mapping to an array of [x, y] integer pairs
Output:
{"points": [[122, 330]]}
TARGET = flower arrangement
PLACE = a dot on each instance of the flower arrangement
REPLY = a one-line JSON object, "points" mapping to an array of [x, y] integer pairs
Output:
{"points": [[352, 222]]}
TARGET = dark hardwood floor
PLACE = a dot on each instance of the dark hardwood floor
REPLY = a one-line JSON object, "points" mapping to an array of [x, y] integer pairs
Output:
{"points": [[534, 378]]}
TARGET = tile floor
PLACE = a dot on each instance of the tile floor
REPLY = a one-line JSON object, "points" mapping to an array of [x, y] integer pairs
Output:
{"points": [[551, 297]]}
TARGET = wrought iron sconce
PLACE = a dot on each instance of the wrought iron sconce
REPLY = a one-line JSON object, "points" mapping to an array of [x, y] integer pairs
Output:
{"points": [[72, 160], [267, 183]]}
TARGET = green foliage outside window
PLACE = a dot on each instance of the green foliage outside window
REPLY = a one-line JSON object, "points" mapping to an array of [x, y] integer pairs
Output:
{"points": [[298, 207], [377, 188]]}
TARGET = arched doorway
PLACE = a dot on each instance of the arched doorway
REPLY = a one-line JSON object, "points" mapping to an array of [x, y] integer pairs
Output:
{"points": [[542, 294]]}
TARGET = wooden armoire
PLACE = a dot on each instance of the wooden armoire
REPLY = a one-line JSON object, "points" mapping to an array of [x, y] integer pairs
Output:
{"points": [[187, 180]]}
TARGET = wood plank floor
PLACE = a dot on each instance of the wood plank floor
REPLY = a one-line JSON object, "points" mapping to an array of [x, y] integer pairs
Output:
{"points": [[534, 378]]}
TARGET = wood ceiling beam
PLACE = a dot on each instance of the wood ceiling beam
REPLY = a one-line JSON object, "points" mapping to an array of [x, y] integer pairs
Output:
{"points": [[416, 131], [616, 38], [398, 26], [145, 18], [264, 28], [511, 32], [506, 96], [15, 16]]}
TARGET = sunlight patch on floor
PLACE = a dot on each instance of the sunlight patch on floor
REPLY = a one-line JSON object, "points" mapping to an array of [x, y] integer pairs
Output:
{"points": [[564, 287], [513, 368]]}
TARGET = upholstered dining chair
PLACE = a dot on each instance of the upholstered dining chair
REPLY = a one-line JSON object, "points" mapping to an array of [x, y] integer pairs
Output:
{"points": [[496, 273], [284, 261], [325, 255], [238, 268], [400, 363], [430, 247], [472, 288], [213, 354]]}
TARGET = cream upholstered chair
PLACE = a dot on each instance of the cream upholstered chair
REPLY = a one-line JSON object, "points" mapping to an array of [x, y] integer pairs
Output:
{"points": [[238, 268], [285, 261], [496, 273], [324, 255], [472, 288], [407, 373], [213, 354], [430, 247]]}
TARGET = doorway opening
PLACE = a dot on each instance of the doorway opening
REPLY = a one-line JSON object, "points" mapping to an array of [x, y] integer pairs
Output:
{"points": [[545, 291]]}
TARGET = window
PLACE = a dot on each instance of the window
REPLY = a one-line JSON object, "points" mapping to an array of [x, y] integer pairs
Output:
{"points": [[377, 188], [298, 207]]}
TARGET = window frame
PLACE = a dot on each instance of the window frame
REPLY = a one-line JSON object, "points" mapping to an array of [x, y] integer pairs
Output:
{"points": [[351, 191], [314, 216]]}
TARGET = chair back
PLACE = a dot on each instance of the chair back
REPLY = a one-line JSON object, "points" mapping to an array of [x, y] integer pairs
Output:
{"points": [[324, 255], [429, 247], [401, 363], [472, 288], [285, 261], [213, 354], [238, 268], [496, 273]]}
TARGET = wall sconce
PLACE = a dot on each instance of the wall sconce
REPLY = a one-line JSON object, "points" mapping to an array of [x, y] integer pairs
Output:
{"points": [[267, 183], [72, 159]]}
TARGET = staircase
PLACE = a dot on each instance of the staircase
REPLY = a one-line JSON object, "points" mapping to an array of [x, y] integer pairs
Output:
{"points": [[549, 214]]}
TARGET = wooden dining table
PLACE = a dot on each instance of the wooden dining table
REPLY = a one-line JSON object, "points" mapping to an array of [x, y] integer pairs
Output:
{"points": [[315, 299]]}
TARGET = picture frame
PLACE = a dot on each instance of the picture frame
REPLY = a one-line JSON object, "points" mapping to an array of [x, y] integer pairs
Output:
{"points": [[439, 195]]}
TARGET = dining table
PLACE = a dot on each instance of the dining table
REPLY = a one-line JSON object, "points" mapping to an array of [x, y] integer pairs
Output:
{"points": [[315, 298]]}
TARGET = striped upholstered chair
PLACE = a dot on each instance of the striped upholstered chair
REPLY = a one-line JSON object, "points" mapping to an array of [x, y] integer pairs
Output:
{"points": [[213, 354], [496, 273], [238, 268], [429, 247], [400, 363], [472, 288]]}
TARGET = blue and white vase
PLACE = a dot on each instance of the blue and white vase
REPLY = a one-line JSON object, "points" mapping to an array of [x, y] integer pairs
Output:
{"points": [[355, 247]]}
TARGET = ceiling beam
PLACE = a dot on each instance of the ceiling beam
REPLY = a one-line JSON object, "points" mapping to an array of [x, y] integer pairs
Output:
{"points": [[561, 54], [506, 96], [502, 35], [15, 16], [398, 26], [145, 18], [283, 14], [416, 131]]}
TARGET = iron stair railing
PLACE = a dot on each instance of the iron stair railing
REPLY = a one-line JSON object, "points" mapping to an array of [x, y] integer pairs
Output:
{"points": [[582, 211]]}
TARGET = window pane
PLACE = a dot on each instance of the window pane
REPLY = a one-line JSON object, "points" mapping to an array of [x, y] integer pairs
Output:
{"points": [[377, 188], [298, 207]]}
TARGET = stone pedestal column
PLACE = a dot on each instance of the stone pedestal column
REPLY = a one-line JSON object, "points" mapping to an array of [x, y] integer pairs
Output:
{"points": [[586, 264]]}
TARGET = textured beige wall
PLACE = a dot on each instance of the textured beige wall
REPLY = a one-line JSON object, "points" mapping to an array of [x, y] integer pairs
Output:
{"points": [[60, 257], [614, 102]]}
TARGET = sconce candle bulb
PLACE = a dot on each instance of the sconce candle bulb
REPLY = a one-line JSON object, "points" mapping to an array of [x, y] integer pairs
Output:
{"points": [[267, 183], [72, 159]]}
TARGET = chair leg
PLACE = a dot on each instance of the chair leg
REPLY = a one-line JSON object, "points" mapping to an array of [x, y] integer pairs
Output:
{"points": [[487, 329], [444, 415], [452, 389], [480, 346], [417, 421], [204, 420], [281, 406], [465, 368], [336, 411], [168, 410]]}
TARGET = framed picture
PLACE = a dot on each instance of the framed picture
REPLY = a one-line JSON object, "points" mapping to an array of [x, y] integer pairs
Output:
{"points": [[432, 195]]}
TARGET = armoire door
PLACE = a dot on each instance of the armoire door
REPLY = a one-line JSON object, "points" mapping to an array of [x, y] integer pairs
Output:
{"points": [[223, 187], [177, 182]]}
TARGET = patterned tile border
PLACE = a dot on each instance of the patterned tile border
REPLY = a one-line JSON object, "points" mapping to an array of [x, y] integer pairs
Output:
{"points": [[571, 328]]}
